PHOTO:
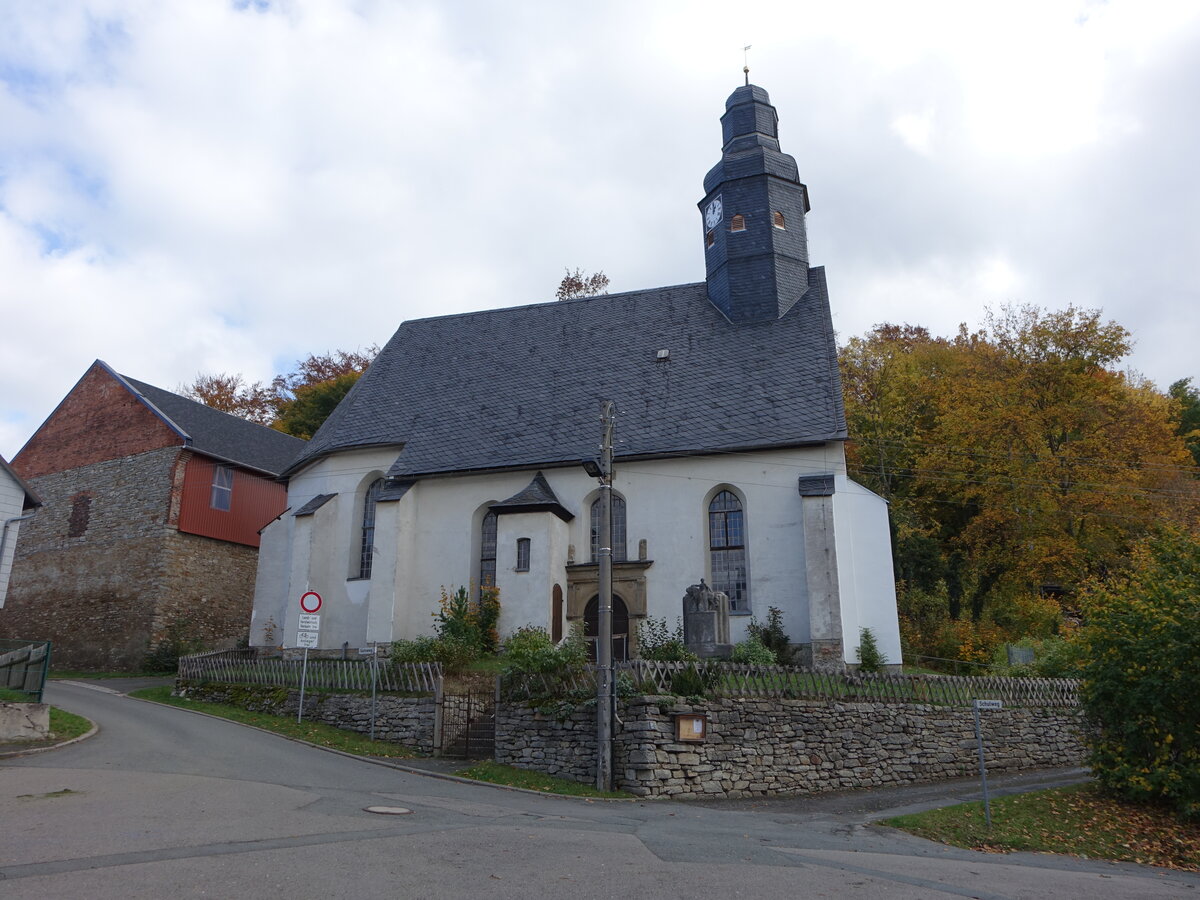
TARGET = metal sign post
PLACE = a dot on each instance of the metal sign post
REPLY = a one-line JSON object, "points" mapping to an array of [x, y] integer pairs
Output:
{"points": [[975, 708], [303, 677], [307, 635], [374, 682]]}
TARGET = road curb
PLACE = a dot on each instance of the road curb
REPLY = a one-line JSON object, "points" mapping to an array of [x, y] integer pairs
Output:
{"points": [[10, 754]]}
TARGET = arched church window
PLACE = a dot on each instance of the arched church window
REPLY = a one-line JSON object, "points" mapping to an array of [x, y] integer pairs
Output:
{"points": [[366, 547], [778, 221], [487, 551], [737, 223], [618, 529], [727, 549], [710, 238]]}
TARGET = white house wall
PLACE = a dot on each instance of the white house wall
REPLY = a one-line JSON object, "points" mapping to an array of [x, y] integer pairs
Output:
{"points": [[273, 581], [429, 540], [12, 500], [865, 575]]}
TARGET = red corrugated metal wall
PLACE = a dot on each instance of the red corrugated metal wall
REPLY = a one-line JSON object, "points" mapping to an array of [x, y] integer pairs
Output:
{"points": [[254, 502]]}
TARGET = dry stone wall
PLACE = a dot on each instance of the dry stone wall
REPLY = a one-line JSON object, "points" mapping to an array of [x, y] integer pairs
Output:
{"points": [[761, 747], [402, 720]]}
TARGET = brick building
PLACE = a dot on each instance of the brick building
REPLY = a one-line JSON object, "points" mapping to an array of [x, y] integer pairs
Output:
{"points": [[149, 534]]}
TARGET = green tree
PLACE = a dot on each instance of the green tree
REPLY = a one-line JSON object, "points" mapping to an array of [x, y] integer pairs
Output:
{"points": [[1141, 684], [1188, 399], [311, 404]]}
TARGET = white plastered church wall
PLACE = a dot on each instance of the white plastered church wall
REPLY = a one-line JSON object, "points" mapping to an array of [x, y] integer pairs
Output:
{"points": [[428, 540], [865, 574]]}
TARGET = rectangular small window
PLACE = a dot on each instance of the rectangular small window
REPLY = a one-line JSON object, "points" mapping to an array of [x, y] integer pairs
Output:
{"points": [[222, 488], [522, 554]]}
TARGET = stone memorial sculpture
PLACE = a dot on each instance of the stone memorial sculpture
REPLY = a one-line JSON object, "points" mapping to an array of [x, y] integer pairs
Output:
{"points": [[706, 621]]}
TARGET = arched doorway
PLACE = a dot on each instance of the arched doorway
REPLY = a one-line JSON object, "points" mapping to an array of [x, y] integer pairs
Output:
{"points": [[620, 627]]}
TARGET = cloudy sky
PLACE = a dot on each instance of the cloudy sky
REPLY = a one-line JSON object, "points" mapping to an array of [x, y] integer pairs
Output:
{"points": [[217, 186]]}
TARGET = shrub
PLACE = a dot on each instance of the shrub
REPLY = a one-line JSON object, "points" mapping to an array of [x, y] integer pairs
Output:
{"points": [[487, 615], [178, 640], [454, 653], [529, 651], [657, 643], [870, 657], [752, 652], [416, 650], [466, 628], [1141, 684], [695, 680], [1053, 657], [772, 636]]}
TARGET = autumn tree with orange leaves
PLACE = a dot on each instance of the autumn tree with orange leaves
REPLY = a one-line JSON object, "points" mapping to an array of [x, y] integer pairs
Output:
{"points": [[296, 402], [1019, 463]]}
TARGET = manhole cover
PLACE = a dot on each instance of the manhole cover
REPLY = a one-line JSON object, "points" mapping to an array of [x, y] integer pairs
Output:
{"points": [[389, 810]]}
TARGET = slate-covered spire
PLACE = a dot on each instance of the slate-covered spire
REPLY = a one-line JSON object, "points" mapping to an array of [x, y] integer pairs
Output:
{"points": [[755, 248]]}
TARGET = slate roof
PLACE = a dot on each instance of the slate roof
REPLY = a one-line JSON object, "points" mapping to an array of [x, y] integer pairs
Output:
{"points": [[537, 496], [313, 505], [215, 433], [521, 387]]}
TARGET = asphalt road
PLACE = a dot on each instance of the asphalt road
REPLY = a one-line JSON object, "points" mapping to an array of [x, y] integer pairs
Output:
{"points": [[164, 803]]}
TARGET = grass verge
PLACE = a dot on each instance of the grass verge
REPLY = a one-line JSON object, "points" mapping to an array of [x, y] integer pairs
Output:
{"points": [[1077, 820], [510, 776], [314, 732], [65, 725]]}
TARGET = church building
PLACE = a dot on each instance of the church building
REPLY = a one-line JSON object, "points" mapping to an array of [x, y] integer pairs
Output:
{"points": [[456, 459]]}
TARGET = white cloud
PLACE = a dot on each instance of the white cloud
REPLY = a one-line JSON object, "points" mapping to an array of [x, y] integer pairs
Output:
{"points": [[189, 187]]}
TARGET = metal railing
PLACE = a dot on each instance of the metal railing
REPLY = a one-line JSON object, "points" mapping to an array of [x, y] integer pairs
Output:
{"points": [[24, 666], [731, 680], [245, 666]]}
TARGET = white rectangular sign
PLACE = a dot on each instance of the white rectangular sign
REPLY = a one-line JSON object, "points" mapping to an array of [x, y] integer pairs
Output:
{"points": [[310, 622], [306, 639], [989, 704]]}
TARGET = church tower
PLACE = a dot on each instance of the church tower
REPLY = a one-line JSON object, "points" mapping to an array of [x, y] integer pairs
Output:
{"points": [[755, 248]]}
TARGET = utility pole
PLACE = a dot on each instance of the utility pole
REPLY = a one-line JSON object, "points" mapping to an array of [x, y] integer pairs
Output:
{"points": [[604, 661]]}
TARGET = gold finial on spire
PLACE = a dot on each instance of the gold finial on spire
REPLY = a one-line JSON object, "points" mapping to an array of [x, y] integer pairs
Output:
{"points": [[746, 58]]}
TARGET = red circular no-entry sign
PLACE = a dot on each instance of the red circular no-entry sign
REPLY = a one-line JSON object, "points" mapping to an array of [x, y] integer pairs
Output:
{"points": [[310, 601]]}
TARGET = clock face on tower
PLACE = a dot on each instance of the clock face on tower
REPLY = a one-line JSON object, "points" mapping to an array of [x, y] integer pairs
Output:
{"points": [[712, 215]]}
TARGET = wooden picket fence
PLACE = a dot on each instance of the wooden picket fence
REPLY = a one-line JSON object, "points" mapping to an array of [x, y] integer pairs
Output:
{"points": [[721, 679], [732, 680], [245, 666]]}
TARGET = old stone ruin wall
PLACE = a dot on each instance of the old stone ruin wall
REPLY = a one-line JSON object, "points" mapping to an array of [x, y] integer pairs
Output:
{"points": [[761, 747]]}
